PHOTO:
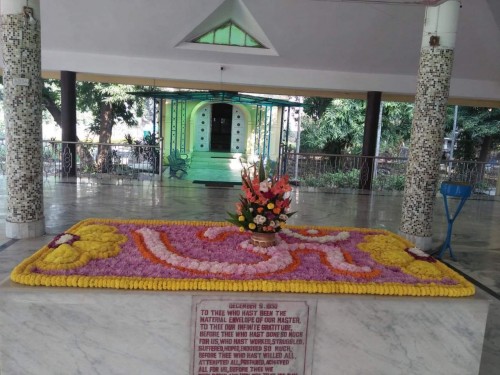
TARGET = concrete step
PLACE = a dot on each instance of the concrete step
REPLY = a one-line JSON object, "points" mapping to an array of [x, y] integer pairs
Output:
{"points": [[215, 155], [215, 160], [215, 166], [210, 175]]}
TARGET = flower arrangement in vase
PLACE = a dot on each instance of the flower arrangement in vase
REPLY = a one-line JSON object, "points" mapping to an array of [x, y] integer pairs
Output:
{"points": [[265, 205]]}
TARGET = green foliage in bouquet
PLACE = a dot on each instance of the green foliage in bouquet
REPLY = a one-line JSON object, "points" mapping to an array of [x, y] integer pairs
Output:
{"points": [[265, 205]]}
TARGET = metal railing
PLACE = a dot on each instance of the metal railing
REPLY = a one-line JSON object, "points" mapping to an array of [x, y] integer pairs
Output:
{"points": [[142, 162], [387, 173], [101, 160]]}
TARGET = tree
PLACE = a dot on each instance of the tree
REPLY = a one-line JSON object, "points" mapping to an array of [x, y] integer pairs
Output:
{"points": [[396, 126], [479, 132], [109, 104], [315, 107], [51, 98], [338, 130]]}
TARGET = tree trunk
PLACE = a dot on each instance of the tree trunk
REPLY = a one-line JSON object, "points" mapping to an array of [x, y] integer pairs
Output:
{"points": [[485, 148], [483, 156], [104, 155], [84, 154], [53, 109]]}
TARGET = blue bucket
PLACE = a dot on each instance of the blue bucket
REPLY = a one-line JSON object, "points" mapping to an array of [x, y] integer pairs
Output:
{"points": [[456, 189]]}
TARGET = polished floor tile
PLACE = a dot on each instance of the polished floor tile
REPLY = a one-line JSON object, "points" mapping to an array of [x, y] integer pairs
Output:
{"points": [[476, 233]]}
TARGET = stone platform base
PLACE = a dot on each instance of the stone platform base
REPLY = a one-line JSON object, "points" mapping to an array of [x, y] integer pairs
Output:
{"points": [[92, 331], [25, 230], [423, 243]]}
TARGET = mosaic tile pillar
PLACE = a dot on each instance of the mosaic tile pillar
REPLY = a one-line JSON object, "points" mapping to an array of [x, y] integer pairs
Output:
{"points": [[20, 40], [429, 116]]}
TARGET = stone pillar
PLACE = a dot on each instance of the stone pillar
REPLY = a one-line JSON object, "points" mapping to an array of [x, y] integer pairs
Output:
{"points": [[497, 191], [23, 117], [275, 130], [429, 116], [68, 121], [373, 100]]}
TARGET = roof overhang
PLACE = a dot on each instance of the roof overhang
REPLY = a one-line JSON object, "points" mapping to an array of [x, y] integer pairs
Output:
{"points": [[218, 97], [337, 48]]}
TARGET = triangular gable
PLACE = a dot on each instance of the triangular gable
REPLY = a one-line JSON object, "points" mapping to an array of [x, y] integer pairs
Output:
{"points": [[244, 27], [228, 34]]}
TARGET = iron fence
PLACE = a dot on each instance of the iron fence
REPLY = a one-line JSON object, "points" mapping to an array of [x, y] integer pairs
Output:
{"points": [[101, 160], [138, 162], [385, 173]]}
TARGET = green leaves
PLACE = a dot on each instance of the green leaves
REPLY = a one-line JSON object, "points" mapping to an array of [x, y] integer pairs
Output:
{"points": [[233, 219], [315, 107], [339, 128], [478, 132]]}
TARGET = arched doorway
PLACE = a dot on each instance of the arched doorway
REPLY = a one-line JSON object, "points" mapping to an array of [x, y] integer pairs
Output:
{"points": [[220, 132], [225, 122]]}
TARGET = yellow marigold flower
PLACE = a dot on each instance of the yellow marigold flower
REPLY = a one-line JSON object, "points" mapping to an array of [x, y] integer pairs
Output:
{"points": [[63, 254], [252, 226], [386, 249], [393, 258], [242, 229], [270, 206], [424, 270], [241, 218], [95, 242]]}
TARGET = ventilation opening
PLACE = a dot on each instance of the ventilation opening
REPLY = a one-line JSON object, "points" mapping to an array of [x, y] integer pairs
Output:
{"points": [[228, 34]]}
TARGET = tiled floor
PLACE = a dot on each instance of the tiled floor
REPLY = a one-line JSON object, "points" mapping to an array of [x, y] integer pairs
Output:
{"points": [[476, 239]]}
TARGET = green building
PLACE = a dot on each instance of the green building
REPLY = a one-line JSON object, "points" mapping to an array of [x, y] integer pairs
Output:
{"points": [[214, 129]]}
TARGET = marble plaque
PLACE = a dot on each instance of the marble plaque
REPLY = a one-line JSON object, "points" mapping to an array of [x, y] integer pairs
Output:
{"points": [[250, 337]]}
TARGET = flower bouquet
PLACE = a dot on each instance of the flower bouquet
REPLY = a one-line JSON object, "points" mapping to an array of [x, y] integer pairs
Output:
{"points": [[265, 205]]}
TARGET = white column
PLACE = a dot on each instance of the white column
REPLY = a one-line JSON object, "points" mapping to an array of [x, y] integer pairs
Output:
{"points": [[274, 145]]}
